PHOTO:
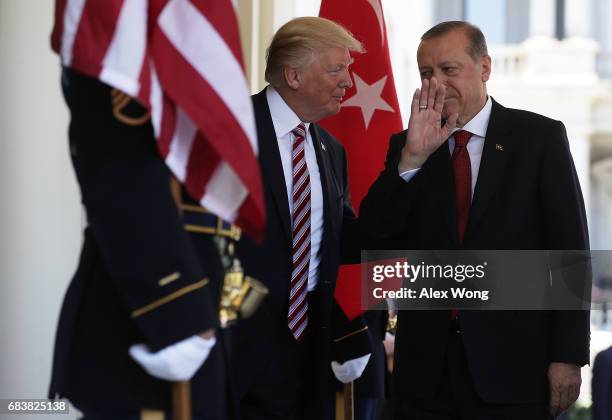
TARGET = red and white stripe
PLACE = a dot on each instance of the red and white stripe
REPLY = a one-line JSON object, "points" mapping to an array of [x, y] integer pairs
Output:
{"points": [[182, 59], [298, 302]]}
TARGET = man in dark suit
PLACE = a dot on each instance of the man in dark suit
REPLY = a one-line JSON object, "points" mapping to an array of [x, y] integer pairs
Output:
{"points": [[471, 174], [282, 355], [601, 385]]}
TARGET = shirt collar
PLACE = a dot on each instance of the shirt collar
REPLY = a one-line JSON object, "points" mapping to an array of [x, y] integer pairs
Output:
{"points": [[478, 125], [283, 117]]}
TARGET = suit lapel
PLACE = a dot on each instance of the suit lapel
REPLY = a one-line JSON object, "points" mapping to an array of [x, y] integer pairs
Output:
{"points": [[269, 156], [328, 179], [497, 149], [443, 187]]}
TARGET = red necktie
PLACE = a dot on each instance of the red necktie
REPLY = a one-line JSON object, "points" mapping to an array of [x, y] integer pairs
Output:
{"points": [[298, 302], [462, 170]]}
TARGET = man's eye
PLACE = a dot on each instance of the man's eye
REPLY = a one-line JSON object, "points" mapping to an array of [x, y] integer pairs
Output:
{"points": [[425, 74], [451, 70]]}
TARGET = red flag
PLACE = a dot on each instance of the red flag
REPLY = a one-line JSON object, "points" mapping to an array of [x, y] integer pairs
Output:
{"points": [[370, 114], [182, 59]]}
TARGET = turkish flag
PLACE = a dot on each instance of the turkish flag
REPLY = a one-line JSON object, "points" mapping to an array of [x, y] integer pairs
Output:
{"points": [[369, 115]]}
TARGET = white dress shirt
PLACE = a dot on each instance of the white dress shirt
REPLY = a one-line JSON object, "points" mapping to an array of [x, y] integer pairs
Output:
{"points": [[478, 127], [285, 120]]}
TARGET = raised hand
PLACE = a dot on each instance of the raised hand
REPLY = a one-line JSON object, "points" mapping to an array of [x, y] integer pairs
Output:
{"points": [[425, 130]]}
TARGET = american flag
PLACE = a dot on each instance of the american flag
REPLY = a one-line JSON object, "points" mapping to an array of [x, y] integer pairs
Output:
{"points": [[182, 59]]}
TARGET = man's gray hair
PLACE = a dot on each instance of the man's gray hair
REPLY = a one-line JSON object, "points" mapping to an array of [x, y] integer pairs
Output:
{"points": [[477, 47]]}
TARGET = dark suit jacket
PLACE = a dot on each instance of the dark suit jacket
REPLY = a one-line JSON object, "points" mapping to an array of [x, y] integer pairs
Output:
{"points": [[134, 239], [601, 385], [270, 262], [527, 197]]}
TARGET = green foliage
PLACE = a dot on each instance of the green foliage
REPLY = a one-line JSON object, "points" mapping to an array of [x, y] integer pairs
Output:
{"points": [[579, 412]]}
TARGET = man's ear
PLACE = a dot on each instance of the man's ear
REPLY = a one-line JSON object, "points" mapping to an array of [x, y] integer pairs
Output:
{"points": [[292, 77], [486, 67]]}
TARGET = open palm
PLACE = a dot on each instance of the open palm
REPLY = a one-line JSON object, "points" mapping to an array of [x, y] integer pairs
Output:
{"points": [[425, 130]]}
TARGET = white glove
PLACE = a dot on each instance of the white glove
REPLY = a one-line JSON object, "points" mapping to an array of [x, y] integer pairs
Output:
{"points": [[351, 369], [177, 362]]}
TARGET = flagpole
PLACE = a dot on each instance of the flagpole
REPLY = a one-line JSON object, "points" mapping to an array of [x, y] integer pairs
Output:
{"points": [[348, 401], [181, 400]]}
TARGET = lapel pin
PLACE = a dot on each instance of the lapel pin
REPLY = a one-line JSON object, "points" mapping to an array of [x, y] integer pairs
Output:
{"points": [[499, 147], [323, 147]]}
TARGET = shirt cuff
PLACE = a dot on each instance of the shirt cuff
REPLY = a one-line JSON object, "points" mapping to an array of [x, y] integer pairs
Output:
{"points": [[408, 175]]}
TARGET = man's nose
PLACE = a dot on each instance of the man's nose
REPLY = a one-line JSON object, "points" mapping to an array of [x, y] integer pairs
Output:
{"points": [[346, 81]]}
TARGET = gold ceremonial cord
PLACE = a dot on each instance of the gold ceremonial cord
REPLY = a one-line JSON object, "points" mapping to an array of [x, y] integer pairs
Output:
{"points": [[120, 101], [336, 340], [169, 298]]}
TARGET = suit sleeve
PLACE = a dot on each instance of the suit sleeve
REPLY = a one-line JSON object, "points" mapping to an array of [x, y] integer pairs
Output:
{"points": [[125, 189], [350, 338], [565, 226], [383, 212], [350, 242]]}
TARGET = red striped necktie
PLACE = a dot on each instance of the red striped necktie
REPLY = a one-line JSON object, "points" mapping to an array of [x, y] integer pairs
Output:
{"points": [[298, 302]]}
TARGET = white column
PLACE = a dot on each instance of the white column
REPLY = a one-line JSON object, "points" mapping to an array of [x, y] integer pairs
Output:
{"points": [[282, 12], [577, 18], [41, 215], [603, 16], [267, 18], [248, 20], [542, 18]]}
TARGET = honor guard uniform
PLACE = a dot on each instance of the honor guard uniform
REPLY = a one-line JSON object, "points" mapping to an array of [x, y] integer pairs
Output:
{"points": [[139, 317], [140, 279]]}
